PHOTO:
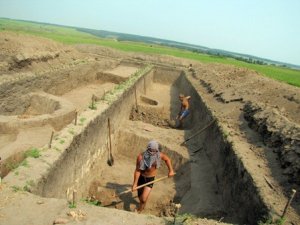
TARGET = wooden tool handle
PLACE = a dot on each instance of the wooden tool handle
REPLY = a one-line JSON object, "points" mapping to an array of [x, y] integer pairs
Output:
{"points": [[198, 132], [109, 135], [143, 185]]}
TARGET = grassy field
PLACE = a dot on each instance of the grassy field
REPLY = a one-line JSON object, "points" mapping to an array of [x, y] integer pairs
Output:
{"points": [[72, 36]]}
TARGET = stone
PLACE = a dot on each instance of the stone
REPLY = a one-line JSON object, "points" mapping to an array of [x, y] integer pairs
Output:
{"points": [[72, 214], [60, 221]]}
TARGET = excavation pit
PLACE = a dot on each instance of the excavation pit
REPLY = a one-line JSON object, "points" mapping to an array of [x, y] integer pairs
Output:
{"points": [[211, 180], [31, 105], [111, 181], [38, 110]]}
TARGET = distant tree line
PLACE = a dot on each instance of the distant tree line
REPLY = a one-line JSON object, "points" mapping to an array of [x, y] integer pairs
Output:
{"points": [[224, 55], [250, 60], [212, 52]]}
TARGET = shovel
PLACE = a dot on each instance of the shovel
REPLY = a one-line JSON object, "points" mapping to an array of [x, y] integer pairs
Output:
{"points": [[110, 160], [198, 132], [143, 185]]}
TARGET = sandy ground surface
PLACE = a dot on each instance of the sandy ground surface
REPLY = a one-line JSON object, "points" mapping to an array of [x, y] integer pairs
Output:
{"points": [[225, 88], [23, 57], [262, 160], [27, 138], [82, 97], [123, 71], [201, 197]]}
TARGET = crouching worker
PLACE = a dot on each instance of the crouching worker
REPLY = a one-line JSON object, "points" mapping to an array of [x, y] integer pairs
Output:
{"points": [[147, 164]]}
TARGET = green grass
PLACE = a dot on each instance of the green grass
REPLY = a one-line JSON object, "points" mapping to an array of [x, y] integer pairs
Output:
{"points": [[33, 153], [72, 36], [24, 163], [16, 188], [279, 221], [112, 95], [93, 106], [82, 119], [72, 205], [71, 131], [94, 202]]}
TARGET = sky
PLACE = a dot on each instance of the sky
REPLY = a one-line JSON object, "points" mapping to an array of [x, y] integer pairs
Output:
{"points": [[264, 28]]}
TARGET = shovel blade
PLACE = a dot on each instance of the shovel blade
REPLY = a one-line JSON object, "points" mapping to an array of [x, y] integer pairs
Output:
{"points": [[110, 162]]}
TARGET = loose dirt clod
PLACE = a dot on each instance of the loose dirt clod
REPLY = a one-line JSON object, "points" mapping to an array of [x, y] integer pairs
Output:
{"points": [[155, 118], [77, 215], [60, 221]]}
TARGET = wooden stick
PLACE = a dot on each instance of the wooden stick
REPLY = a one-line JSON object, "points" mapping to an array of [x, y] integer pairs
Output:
{"points": [[109, 133], [93, 101], [74, 197], [50, 143], [144, 85], [143, 185], [269, 183], [76, 114], [136, 104], [197, 150], [67, 194], [110, 158], [289, 202], [198, 132]]}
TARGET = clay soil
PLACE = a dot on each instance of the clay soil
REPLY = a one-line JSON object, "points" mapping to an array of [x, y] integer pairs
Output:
{"points": [[271, 154]]}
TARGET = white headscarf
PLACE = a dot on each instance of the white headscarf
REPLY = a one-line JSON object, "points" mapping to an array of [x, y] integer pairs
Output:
{"points": [[150, 158]]}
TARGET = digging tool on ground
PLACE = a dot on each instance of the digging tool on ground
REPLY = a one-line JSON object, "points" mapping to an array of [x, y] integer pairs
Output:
{"points": [[199, 149], [136, 104], [198, 132], [114, 203], [110, 160], [76, 114], [144, 85], [51, 138], [288, 203], [143, 185]]}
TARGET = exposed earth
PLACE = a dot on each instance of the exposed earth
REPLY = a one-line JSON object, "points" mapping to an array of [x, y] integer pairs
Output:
{"points": [[46, 86]]}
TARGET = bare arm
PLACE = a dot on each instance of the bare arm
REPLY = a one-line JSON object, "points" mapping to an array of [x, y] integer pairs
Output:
{"points": [[168, 163], [137, 172]]}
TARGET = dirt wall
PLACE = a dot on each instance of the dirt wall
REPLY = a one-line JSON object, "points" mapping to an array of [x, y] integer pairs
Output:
{"points": [[240, 195], [164, 75], [279, 133], [88, 147], [131, 145], [45, 108], [56, 83], [73, 167]]}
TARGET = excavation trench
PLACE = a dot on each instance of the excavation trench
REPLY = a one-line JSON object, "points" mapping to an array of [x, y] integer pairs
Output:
{"points": [[111, 181], [31, 109], [211, 180]]}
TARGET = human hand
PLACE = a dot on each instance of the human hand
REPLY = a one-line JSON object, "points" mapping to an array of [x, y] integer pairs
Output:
{"points": [[133, 188]]}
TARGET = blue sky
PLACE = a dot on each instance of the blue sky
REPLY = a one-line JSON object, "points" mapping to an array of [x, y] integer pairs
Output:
{"points": [[265, 28]]}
